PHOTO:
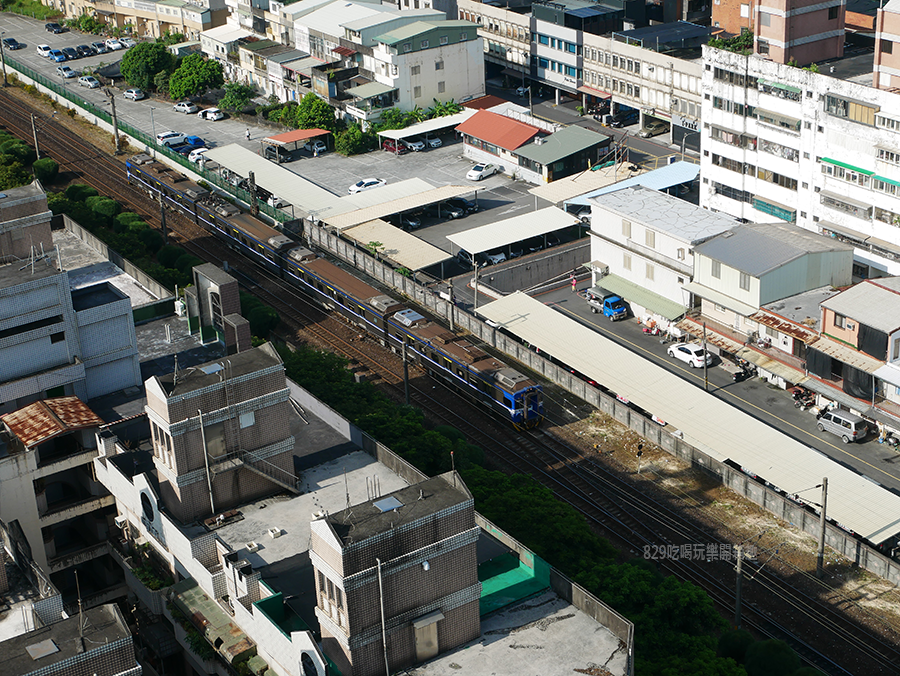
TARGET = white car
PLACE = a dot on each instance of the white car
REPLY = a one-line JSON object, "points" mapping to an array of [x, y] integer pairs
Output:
{"points": [[366, 184], [127, 43], [211, 114], [43, 50], [415, 144], [196, 154], [65, 71], [89, 81], [135, 94], [169, 138], [481, 171], [113, 45], [316, 147], [434, 142], [522, 92], [495, 257], [691, 354], [185, 107]]}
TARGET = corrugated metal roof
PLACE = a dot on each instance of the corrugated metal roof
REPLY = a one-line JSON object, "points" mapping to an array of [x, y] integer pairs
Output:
{"points": [[226, 33], [635, 293], [348, 219], [498, 129], [296, 135], [658, 179], [846, 354], [706, 421], [329, 19], [563, 190], [484, 102], [428, 126], [758, 248], [874, 302], [559, 145], [303, 65], [369, 89], [43, 420], [663, 212], [386, 193], [402, 248], [303, 194], [512, 230]]}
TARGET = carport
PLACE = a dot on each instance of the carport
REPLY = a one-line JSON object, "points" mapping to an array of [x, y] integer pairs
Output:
{"points": [[402, 203], [293, 140], [403, 249], [512, 230], [434, 126]]}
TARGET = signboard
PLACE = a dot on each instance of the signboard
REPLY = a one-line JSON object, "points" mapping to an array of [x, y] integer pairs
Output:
{"points": [[685, 122]]}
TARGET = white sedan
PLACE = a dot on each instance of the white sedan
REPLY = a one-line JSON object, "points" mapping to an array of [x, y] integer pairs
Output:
{"points": [[366, 184], [89, 81], [114, 45], [481, 171], [211, 114], [691, 354]]}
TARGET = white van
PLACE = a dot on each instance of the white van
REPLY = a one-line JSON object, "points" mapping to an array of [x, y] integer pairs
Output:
{"points": [[848, 426]]}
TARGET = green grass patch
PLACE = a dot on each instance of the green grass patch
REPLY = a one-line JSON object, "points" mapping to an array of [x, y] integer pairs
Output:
{"points": [[33, 9]]}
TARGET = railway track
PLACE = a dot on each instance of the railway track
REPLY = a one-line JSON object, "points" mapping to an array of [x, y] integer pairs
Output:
{"points": [[620, 510]]}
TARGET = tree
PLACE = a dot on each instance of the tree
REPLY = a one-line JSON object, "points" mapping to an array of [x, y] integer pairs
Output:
{"points": [[313, 113], [353, 140], [734, 644], [392, 118], [143, 62], [79, 192], [439, 109], [194, 76], [13, 175], [237, 96], [45, 170], [161, 82], [771, 658], [18, 151], [169, 38]]}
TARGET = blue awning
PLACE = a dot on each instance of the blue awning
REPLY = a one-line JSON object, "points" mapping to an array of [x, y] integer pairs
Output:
{"points": [[658, 179]]}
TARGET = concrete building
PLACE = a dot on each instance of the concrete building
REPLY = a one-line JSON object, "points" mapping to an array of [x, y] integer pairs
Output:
{"points": [[642, 248], [24, 223], [221, 43], [816, 149], [150, 18], [887, 32], [410, 553]]}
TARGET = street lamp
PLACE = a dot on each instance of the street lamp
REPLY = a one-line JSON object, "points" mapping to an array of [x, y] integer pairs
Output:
{"points": [[683, 139], [3, 57], [820, 555]]}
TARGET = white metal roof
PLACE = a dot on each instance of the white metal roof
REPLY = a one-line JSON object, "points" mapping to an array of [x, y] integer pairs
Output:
{"points": [[512, 230], [707, 422], [303, 194], [563, 189], [429, 126], [405, 202], [658, 179], [226, 33], [402, 248]]}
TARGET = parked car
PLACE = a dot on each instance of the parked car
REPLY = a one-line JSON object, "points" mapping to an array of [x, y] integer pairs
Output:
{"points": [[602, 301], [195, 141], [465, 258], [495, 257], [99, 47], [624, 118], [415, 144], [691, 354], [653, 128], [44, 50], [84, 51], [211, 114], [12, 44], [196, 154], [443, 210], [170, 138], [408, 221], [134, 94], [277, 154], [182, 149], [481, 171], [127, 43], [468, 206], [113, 45], [366, 184], [185, 107], [57, 55], [434, 142], [393, 147], [277, 202], [89, 81], [65, 72], [70, 52], [848, 426], [316, 147], [522, 92], [54, 28]]}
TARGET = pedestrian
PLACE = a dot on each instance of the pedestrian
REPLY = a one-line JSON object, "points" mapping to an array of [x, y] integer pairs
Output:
{"points": [[574, 282], [248, 134]]}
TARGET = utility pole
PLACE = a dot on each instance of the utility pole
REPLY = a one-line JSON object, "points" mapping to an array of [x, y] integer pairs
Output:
{"points": [[452, 306], [705, 370], [530, 104], [162, 218], [405, 374], [37, 150], [739, 550], [254, 206], [3, 57], [820, 556], [112, 103]]}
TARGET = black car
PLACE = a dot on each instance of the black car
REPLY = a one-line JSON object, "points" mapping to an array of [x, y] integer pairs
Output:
{"points": [[408, 221], [71, 53], [468, 206], [84, 50], [54, 28], [11, 44], [444, 210]]}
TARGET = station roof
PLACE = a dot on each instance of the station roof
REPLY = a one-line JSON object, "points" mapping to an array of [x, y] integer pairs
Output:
{"points": [[294, 136], [303, 194], [659, 179], [561, 144], [707, 422], [498, 129], [428, 126], [41, 421], [513, 230], [407, 202], [402, 248]]}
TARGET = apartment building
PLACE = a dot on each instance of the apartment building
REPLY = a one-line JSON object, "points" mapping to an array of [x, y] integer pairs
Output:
{"points": [[887, 32], [221, 43], [151, 18], [813, 148]]}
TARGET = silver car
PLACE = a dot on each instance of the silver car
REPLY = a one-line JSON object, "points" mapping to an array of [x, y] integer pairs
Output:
{"points": [[89, 81]]}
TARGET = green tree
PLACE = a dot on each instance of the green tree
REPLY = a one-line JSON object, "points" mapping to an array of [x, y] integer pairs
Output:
{"points": [[392, 118], [314, 113], [161, 81], [105, 207], [13, 175], [263, 320], [354, 140], [45, 170], [734, 644], [169, 254], [237, 96], [79, 192], [143, 62], [440, 109], [168, 38], [152, 239], [195, 75], [18, 151], [771, 658]]}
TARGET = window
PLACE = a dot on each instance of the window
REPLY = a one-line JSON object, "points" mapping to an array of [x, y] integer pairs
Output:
{"points": [[650, 238], [439, 65], [441, 87], [716, 269], [719, 308], [833, 14], [248, 419], [570, 48], [444, 40], [626, 228], [840, 321], [765, 19], [650, 271], [423, 44], [415, 70], [58, 337], [626, 261], [543, 39], [681, 254], [407, 47], [762, 46], [463, 37], [417, 92], [745, 281], [851, 110]]}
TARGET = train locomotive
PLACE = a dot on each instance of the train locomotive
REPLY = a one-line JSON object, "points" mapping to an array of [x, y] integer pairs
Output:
{"points": [[441, 353]]}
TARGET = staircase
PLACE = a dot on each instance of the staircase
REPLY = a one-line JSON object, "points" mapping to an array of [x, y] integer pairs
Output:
{"points": [[269, 471]]}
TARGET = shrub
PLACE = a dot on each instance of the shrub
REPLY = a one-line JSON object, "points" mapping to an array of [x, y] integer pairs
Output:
{"points": [[13, 175], [263, 320], [186, 262], [18, 150], [169, 254], [152, 239], [106, 208], [45, 170], [123, 221], [79, 192]]}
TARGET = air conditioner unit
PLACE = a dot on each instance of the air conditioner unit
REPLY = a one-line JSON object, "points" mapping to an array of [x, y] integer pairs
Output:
{"points": [[121, 521]]}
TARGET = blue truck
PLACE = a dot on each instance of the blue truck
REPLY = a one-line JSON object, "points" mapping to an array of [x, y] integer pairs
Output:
{"points": [[608, 303]]}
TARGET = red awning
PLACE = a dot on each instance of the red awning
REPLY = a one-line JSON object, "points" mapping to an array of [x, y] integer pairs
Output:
{"points": [[296, 135], [584, 89], [344, 51]]}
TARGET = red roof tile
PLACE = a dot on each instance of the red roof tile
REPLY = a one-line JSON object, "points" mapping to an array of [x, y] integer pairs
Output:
{"points": [[498, 130], [483, 102], [43, 420], [297, 135]]}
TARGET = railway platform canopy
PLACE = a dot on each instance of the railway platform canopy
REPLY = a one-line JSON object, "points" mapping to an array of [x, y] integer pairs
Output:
{"points": [[512, 230], [402, 248], [436, 125], [294, 140], [408, 195], [708, 423]]}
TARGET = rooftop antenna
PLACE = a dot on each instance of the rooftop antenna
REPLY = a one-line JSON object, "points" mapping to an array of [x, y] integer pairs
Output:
{"points": [[80, 611], [175, 373], [346, 488]]}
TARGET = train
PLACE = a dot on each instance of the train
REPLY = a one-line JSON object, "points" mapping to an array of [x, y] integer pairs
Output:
{"points": [[469, 370]]}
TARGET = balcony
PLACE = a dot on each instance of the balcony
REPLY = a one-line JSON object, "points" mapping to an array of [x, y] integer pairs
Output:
{"points": [[74, 558], [66, 510]]}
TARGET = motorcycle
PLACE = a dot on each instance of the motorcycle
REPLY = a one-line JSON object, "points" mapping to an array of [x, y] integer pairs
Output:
{"points": [[651, 330]]}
